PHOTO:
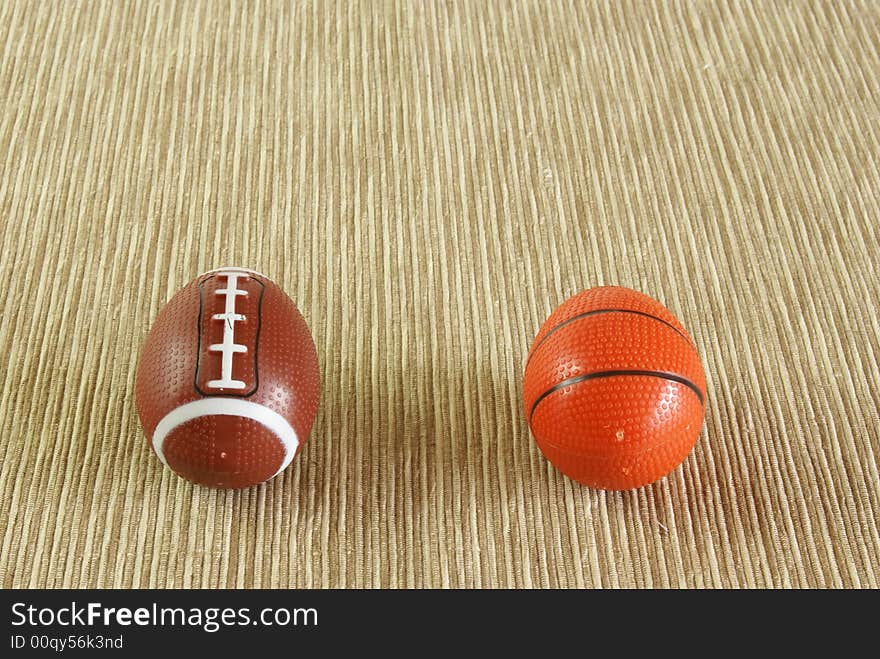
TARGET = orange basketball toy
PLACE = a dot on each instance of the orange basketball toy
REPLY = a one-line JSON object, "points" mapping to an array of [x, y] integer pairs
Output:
{"points": [[614, 391]]}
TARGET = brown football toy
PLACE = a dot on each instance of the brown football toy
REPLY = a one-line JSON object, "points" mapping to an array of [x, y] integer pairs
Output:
{"points": [[228, 382]]}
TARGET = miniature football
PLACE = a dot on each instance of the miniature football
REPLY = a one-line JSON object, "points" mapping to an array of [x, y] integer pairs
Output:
{"points": [[614, 390], [228, 383]]}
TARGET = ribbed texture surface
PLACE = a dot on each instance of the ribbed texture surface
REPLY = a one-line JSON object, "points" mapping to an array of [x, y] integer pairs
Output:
{"points": [[427, 182]]}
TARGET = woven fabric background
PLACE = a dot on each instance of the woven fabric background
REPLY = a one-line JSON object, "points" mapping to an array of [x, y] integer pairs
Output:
{"points": [[428, 181]]}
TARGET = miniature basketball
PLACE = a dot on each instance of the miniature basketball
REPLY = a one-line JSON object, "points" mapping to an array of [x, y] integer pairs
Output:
{"points": [[228, 383], [614, 390]]}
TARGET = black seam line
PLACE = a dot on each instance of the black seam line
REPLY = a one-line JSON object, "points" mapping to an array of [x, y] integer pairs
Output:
{"points": [[608, 374], [600, 311]]}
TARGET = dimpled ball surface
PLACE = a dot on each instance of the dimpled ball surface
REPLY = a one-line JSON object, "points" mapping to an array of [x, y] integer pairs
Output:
{"points": [[613, 389], [228, 382]]}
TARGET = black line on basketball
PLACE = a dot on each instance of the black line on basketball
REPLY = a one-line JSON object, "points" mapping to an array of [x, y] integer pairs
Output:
{"points": [[608, 374], [596, 312]]}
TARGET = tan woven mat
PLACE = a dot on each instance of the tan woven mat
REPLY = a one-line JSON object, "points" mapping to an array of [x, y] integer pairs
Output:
{"points": [[428, 181]]}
